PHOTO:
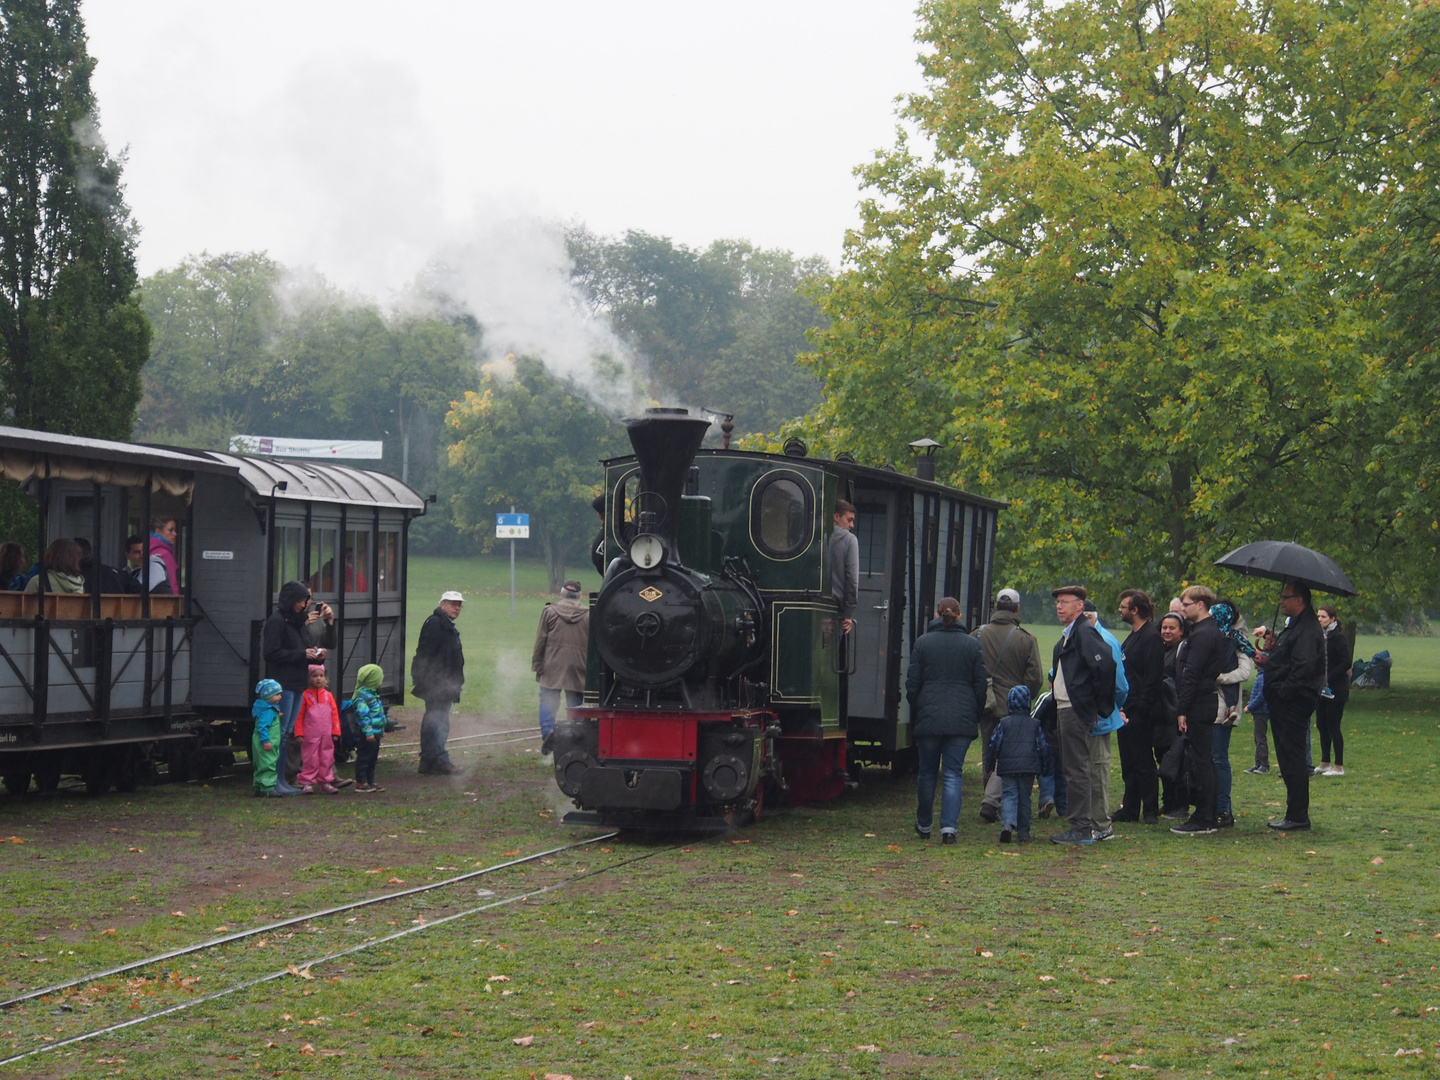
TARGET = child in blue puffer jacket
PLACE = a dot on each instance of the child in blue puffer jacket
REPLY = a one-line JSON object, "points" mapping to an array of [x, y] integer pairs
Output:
{"points": [[370, 718], [1018, 752]]}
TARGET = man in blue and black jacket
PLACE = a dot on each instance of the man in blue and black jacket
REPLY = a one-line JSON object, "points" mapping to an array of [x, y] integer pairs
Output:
{"points": [[1083, 682]]}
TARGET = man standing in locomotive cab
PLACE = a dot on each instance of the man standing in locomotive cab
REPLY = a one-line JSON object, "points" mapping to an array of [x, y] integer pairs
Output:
{"points": [[945, 686], [559, 658], [1083, 682], [438, 672], [845, 564]]}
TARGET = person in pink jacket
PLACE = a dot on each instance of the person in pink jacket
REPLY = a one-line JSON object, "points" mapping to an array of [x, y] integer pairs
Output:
{"points": [[317, 726], [164, 567]]}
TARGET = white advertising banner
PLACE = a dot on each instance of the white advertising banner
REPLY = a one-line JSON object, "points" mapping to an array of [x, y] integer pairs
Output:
{"points": [[351, 449]]}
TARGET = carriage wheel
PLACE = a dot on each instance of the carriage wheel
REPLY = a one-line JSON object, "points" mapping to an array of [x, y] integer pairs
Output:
{"points": [[17, 783], [126, 771], [96, 773], [47, 777]]}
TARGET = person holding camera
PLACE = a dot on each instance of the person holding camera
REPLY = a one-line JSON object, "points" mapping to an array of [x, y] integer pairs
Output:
{"points": [[296, 635]]}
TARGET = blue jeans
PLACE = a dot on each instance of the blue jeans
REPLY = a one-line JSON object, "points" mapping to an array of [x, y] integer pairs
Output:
{"points": [[434, 731], [1052, 784], [945, 755], [550, 706], [1015, 802], [289, 710], [1220, 755]]}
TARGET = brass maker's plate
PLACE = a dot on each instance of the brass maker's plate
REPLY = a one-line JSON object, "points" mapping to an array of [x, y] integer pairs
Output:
{"points": [[650, 593]]}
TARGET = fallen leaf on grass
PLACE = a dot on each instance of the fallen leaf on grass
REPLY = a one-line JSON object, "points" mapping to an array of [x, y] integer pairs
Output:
{"points": [[1135, 953], [498, 978], [220, 930], [792, 911], [507, 854], [717, 1035], [849, 993], [1104, 982], [141, 850], [732, 982], [178, 914], [870, 836], [1047, 978], [429, 1030], [523, 1040], [687, 851], [894, 847], [1299, 978], [869, 1048], [739, 841], [112, 930], [307, 1049], [987, 954], [1406, 1053], [13, 840], [332, 1053], [395, 881], [558, 1076], [110, 1061], [1377, 861], [303, 973], [588, 1024], [271, 1045]]}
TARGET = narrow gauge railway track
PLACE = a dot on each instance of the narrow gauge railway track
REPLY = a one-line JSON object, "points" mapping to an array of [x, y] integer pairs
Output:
{"points": [[296, 920], [302, 968]]}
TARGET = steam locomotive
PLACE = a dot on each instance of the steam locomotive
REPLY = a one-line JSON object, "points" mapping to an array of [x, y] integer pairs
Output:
{"points": [[719, 678]]}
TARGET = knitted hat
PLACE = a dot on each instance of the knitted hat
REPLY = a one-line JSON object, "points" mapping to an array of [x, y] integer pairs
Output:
{"points": [[317, 669], [1018, 700], [267, 688], [370, 677]]}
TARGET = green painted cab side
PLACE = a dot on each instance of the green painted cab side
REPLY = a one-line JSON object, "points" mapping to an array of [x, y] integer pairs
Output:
{"points": [[803, 660]]}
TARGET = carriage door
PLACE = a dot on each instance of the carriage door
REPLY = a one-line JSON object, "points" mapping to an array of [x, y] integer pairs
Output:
{"points": [[872, 612]]}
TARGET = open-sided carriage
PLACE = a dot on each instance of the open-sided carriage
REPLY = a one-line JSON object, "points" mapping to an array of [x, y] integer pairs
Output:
{"points": [[113, 686]]}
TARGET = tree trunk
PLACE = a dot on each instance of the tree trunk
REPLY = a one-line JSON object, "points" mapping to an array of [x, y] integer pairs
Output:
{"points": [[554, 560], [1179, 509]]}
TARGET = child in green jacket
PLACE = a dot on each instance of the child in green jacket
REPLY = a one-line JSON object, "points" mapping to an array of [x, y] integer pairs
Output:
{"points": [[265, 743]]}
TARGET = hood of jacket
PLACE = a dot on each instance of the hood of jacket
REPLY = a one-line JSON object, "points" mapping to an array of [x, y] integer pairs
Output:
{"points": [[570, 611], [291, 593]]}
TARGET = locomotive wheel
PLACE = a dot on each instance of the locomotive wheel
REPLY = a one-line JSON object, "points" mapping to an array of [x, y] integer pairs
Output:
{"points": [[17, 783]]}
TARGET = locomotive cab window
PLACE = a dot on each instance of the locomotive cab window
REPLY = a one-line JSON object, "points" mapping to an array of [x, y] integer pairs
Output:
{"points": [[782, 515]]}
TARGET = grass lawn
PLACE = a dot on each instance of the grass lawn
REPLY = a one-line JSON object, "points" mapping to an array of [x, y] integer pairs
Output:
{"points": [[822, 942]]}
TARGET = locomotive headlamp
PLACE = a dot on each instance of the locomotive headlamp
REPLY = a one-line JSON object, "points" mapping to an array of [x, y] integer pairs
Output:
{"points": [[647, 550]]}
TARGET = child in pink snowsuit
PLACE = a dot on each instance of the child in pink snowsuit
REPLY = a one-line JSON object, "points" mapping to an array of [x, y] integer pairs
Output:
{"points": [[317, 725]]}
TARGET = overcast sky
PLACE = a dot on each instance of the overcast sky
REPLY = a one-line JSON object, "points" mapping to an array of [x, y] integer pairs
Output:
{"points": [[360, 137]]}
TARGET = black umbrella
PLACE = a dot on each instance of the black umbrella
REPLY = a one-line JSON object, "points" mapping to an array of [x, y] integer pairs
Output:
{"points": [[1283, 561]]}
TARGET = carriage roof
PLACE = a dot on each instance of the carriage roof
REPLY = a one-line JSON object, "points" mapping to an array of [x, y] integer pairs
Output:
{"points": [[316, 481]]}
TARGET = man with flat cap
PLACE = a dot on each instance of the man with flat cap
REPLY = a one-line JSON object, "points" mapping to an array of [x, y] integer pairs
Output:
{"points": [[1083, 682], [559, 658], [438, 672]]}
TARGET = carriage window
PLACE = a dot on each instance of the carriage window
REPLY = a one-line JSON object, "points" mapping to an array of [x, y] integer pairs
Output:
{"points": [[357, 561], [287, 554], [322, 559], [389, 562], [781, 516]]}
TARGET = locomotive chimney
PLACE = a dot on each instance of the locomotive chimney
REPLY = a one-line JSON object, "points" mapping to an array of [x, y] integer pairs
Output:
{"points": [[665, 442]]}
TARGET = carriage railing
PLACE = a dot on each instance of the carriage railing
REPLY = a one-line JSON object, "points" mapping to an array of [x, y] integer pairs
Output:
{"points": [[107, 668]]}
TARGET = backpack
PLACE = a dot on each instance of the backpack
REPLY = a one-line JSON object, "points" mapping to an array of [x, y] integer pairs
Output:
{"points": [[1169, 701], [350, 736]]}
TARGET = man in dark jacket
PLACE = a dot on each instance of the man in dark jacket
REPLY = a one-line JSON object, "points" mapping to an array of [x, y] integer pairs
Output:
{"points": [[294, 637], [111, 580], [1144, 654], [1198, 664], [438, 672], [945, 686], [1012, 656], [1294, 677], [1083, 682]]}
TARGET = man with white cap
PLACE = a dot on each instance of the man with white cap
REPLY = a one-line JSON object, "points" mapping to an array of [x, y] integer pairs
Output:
{"points": [[1012, 657], [438, 672]]}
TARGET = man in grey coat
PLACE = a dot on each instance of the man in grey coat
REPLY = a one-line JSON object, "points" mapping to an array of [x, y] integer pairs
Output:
{"points": [[1012, 656], [559, 658], [945, 686]]}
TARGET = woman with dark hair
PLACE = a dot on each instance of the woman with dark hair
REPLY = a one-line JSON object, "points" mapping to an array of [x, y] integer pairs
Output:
{"points": [[294, 637], [62, 567], [1331, 707], [164, 568], [12, 565], [1174, 797]]}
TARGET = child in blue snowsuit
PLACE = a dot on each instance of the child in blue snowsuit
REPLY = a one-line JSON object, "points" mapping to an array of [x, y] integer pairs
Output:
{"points": [[1017, 753], [265, 743], [370, 718]]}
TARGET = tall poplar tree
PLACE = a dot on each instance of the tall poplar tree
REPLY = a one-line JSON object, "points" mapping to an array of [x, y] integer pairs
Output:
{"points": [[72, 335]]}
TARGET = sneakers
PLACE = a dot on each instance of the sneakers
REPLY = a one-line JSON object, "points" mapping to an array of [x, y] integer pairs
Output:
{"points": [[1178, 813], [1258, 770], [1107, 833], [308, 789], [1194, 828], [329, 789], [363, 789], [1334, 770], [1005, 833], [344, 781], [1047, 808], [376, 789], [1074, 837], [1321, 769], [947, 838], [923, 834], [1225, 820]]}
